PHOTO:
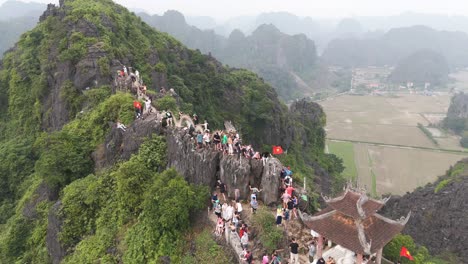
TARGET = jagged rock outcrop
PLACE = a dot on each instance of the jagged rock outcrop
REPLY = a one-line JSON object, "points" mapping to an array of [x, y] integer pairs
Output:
{"points": [[121, 145], [439, 212], [54, 223], [198, 166], [43, 193]]}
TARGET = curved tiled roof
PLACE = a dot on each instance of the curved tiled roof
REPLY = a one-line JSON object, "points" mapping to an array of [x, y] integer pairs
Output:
{"points": [[348, 204], [352, 222]]}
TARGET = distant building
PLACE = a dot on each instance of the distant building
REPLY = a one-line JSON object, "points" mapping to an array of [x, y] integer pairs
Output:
{"points": [[427, 85]]}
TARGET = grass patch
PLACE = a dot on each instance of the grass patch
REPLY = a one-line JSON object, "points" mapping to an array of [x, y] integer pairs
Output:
{"points": [[374, 184], [270, 235], [441, 185], [345, 151], [428, 134]]}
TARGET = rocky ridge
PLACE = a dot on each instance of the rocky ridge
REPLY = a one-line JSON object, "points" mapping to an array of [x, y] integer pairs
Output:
{"points": [[439, 212], [199, 166]]}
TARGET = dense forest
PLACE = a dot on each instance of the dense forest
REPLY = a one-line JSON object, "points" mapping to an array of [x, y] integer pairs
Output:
{"points": [[57, 109]]}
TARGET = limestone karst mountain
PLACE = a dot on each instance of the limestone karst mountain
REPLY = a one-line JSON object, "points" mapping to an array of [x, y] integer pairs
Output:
{"points": [[58, 111], [288, 62]]}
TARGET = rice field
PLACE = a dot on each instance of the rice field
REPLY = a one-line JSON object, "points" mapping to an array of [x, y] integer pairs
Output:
{"points": [[380, 144]]}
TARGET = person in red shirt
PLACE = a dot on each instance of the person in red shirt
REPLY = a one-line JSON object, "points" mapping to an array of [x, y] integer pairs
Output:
{"points": [[290, 190], [138, 108]]}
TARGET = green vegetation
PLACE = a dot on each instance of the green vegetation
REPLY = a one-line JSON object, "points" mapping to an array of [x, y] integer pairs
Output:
{"points": [[269, 234], [452, 175], [345, 151], [428, 134], [456, 117], [374, 184], [420, 253], [206, 250], [442, 185]]}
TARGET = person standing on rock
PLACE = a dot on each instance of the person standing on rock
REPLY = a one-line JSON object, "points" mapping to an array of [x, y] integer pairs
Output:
{"points": [[217, 209], [312, 250], [224, 142], [279, 215], [222, 188], [245, 240], [125, 70], [290, 190], [137, 106], [206, 139], [275, 258], [265, 258], [195, 118], [295, 205], [255, 190], [224, 210], [231, 149], [236, 219], [248, 257], [294, 259], [217, 141], [285, 198], [219, 227], [169, 118], [214, 198], [200, 140], [229, 212], [148, 107], [254, 205]]}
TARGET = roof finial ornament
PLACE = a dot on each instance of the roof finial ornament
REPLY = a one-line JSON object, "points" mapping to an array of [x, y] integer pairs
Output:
{"points": [[385, 200], [362, 200], [325, 198], [366, 246], [403, 220]]}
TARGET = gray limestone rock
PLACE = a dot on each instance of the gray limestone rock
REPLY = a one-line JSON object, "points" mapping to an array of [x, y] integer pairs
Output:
{"points": [[54, 223]]}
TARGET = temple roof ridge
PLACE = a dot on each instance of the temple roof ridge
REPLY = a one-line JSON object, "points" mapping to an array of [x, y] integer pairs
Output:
{"points": [[351, 220]]}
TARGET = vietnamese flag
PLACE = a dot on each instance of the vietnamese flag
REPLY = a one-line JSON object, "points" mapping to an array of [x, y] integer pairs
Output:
{"points": [[277, 150], [404, 252]]}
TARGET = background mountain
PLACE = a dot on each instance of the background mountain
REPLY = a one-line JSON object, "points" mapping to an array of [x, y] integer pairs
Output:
{"points": [[16, 9], [424, 66], [288, 62], [16, 18], [396, 44]]}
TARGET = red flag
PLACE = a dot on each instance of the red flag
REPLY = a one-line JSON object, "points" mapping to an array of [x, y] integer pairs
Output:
{"points": [[277, 150], [404, 252]]}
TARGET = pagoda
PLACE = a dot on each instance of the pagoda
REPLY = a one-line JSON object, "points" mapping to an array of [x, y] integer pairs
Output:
{"points": [[351, 221]]}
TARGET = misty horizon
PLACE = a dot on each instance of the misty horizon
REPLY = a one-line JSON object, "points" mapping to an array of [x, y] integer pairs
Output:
{"points": [[332, 9]]}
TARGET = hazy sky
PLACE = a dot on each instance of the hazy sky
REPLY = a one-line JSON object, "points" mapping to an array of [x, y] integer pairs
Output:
{"points": [[223, 9]]}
